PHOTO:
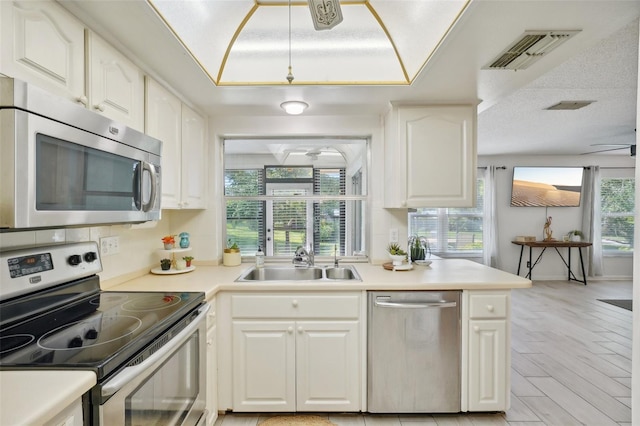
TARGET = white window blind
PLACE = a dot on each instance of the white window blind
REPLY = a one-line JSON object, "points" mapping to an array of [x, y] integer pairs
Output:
{"points": [[245, 217], [451, 230], [617, 209]]}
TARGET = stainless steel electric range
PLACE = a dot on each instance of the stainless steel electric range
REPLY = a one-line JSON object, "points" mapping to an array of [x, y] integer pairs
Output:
{"points": [[147, 349]]}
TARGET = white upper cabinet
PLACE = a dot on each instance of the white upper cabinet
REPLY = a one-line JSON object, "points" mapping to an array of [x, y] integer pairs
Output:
{"points": [[193, 178], [164, 122], [182, 132], [43, 44], [430, 156], [115, 84]]}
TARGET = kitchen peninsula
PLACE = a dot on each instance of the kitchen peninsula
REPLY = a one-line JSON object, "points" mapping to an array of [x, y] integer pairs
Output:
{"points": [[241, 308]]}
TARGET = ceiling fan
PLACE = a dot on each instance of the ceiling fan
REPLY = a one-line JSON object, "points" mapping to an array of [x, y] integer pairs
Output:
{"points": [[618, 146], [614, 147]]}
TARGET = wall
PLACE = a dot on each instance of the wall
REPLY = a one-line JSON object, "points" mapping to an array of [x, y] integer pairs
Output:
{"points": [[513, 221]]}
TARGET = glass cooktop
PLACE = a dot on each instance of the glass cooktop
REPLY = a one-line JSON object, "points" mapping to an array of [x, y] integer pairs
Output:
{"points": [[98, 332]]}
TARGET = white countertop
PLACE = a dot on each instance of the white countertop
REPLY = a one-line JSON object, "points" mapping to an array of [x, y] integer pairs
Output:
{"points": [[35, 397], [442, 274]]}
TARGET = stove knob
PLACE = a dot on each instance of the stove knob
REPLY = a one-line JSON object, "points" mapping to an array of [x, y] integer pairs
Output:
{"points": [[74, 260], [90, 256], [76, 342], [91, 334]]}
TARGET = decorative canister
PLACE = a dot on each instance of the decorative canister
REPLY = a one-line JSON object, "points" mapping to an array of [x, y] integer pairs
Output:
{"points": [[184, 239]]}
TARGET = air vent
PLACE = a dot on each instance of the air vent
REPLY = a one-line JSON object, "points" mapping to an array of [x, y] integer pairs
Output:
{"points": [[529, 48], [569, 105]]}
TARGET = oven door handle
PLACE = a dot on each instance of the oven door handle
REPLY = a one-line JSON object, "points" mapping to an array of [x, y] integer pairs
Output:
{"points": [[129, 373]]}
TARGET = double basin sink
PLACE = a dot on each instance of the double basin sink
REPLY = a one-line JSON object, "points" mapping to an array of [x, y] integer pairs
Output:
{"points": [[300, 273]]}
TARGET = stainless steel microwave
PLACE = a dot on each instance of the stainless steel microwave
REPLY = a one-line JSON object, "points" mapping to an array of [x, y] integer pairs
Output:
{"points": [[63, 165]]}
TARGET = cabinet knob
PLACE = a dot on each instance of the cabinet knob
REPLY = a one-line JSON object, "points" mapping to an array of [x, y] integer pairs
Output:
{"points": [[490, 308], [295, 303], [476, 328], [290, 330], [82, 100], [184, 203], [209, 342], [99, 107], [300, 329]]}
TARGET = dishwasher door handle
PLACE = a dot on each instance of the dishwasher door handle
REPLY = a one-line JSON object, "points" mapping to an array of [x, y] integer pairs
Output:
{"points": [[416, 305]]}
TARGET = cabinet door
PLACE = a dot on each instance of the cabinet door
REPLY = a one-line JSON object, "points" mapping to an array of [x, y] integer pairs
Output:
{"points": [[194, 175], [263, 366], [43, 44], [212, 377], [487, 365], [328, 360], [440, 156], [164, 122], [116, 85]]}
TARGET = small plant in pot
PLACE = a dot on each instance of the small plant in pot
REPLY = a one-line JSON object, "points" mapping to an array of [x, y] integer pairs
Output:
{"points": [[416, 248], [165, 264], [576, 235], [397, 255], [188, 259], [231, 255], [168, 241]]}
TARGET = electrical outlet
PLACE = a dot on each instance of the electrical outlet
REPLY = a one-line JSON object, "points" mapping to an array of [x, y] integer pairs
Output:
{"points": [[109, 246], [393, 235]]}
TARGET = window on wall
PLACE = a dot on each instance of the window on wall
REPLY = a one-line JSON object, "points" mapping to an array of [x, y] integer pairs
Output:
{"points": [[451, 231], [617, 202], [281, 194]]}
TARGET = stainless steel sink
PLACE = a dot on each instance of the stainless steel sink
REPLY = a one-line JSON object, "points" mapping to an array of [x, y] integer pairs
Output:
{"points": [[340, 273], [300, 273]]}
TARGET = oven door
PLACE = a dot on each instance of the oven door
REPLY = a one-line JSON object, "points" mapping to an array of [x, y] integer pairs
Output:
{"points": [[167, 388]]}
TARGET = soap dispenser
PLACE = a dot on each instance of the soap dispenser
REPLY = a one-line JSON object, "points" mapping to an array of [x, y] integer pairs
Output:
{"points": [[259, 258]]}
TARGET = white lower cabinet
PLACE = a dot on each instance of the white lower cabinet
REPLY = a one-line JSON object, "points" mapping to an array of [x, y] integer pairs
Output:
{"points": [[212, 366], [488, 346], [296, 352]]}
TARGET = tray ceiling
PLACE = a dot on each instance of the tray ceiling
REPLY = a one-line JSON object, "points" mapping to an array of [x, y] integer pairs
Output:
{"points": [[246, 42]]}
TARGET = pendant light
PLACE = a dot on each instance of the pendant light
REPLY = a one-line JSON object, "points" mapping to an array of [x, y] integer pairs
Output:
{"points": [[290, 75]]}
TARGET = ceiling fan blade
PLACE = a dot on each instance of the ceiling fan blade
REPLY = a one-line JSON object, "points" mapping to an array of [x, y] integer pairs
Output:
{"points": [[605, 150]]}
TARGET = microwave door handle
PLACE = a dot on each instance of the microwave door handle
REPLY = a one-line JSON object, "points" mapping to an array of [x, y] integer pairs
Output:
{"points": [[137, 186], [153, 190]]}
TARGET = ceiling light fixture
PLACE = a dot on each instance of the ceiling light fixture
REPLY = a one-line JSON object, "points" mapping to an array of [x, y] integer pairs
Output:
{"points": [[294, 107], [325, 14]]}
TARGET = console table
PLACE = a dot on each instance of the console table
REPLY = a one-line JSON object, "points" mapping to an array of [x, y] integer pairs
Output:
{"points": [[556, 245]]}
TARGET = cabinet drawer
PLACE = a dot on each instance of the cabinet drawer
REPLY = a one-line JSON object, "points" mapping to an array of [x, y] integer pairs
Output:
{"points": [[295, 306], [488, 305]]}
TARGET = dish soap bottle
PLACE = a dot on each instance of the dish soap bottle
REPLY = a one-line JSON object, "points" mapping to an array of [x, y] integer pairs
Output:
{"points": [[259, 258]]}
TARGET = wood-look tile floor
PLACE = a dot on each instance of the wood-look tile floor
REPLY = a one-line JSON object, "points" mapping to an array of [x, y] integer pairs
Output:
{"points": [[571, 363]]}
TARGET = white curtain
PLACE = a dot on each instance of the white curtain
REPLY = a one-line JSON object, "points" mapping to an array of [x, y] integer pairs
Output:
{"points": [[592, 219], [490, 218]]}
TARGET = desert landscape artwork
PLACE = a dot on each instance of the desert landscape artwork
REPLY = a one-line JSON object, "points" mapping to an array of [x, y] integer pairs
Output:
{"points": [[546, 187]]}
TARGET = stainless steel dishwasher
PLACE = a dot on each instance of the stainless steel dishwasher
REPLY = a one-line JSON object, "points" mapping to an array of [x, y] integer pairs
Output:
{"points": [[413, 352]]}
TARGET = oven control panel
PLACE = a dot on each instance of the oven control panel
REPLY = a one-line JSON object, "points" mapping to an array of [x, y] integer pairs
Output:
{"points": [[28, 269]]}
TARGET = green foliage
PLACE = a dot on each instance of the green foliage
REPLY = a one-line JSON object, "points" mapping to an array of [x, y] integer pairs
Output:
{"points": [[396, 250]]}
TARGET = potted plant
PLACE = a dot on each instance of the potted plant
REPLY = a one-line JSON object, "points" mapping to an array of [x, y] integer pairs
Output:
{"points": [[576, 235], [168, 241], [165, 264], [397, 255], [188, 259], [416, 248], [231, 255]]}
